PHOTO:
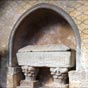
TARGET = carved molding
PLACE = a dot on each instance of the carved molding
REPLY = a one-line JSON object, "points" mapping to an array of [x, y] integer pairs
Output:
{"points": [[60, 75], [30, 72]]}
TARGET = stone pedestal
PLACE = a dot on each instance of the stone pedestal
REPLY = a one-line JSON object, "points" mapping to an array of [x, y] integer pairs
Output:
{"points": [[29, 84], [30, 77], [60, 76], [58, 86], [78, 79], [61, 86]]}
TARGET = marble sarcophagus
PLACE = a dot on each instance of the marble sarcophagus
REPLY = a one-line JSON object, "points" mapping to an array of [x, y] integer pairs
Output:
{"points": [[59, 58], [48, 55]]}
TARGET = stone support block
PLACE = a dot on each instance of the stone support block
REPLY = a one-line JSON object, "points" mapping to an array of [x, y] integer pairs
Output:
{"points": [[29, 84], [78, 79], [30, 74], [60, 76]]}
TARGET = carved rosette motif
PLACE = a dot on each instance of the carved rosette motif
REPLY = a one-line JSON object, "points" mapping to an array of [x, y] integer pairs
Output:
{"points": [[60, 75], [30, 72]]}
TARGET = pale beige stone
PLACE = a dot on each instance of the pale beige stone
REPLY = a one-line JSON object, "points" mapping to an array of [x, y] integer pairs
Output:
{"points": [[12, 10], [56, 57], [78, 79], [41, 48], [27, 84]]}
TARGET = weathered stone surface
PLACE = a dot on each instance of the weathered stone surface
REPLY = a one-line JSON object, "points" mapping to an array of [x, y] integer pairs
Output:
{"points": [[38, 48], [28, 84], [78, 79], [55, 86], [60, 76], [61, 58], [30, 72], [77, 9], [60, 86], [30, 77], [45, 56]]}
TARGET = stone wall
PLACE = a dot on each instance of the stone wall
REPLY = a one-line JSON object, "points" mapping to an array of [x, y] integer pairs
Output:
{"points": [[11, 10]]}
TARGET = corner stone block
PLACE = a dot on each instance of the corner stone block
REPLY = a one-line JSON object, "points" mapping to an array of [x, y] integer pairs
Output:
{"points": [[78, 79]]}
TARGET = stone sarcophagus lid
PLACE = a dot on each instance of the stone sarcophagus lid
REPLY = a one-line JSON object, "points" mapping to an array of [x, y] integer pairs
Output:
{"points": [[46, 56]]}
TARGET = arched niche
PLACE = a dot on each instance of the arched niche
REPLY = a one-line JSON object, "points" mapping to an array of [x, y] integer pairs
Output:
{"points": [[45, 17]]}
